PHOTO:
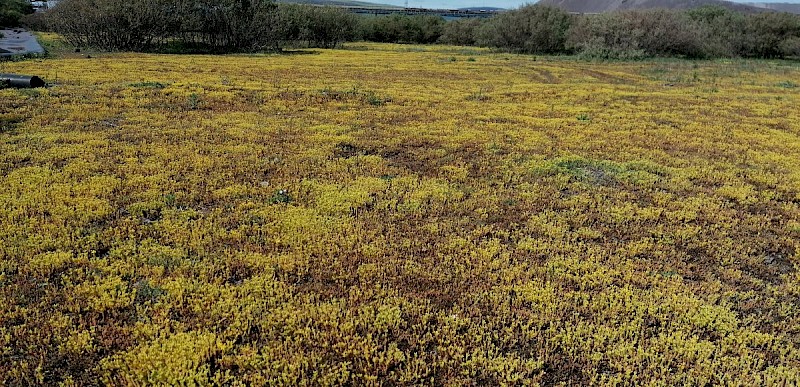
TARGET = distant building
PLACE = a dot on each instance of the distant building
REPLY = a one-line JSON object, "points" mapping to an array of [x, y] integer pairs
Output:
{"points": [[40, 5]]}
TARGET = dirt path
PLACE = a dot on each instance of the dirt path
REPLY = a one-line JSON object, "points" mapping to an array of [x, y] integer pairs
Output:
{"points": [[18, 42]]}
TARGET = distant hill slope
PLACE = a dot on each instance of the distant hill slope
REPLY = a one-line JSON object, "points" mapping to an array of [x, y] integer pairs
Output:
{"points": [[598, 6], [781, 7]]}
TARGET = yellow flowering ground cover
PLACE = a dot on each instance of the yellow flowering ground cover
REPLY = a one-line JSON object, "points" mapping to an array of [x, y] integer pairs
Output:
{"points": [[383, 215]]}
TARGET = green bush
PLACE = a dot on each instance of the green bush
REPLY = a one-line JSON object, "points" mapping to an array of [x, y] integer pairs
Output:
{"points": [[419, 29], [314, 26], [771, 35], [461, 32], [199, 25], [113, 24], [606, 36], [531, 29], [724, 30], [670, 33], [226, 25], [37, 21], [12, 10], [638, 34], [790, 47]]}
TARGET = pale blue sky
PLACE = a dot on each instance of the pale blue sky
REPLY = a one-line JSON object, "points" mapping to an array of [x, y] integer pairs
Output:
{"points": [[452, 4]]}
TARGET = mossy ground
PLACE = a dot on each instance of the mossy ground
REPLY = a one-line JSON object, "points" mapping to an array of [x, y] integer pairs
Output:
{"points": [[387, 215]]}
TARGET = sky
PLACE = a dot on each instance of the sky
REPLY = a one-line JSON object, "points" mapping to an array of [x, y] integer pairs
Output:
{"points": [[452, 4]]}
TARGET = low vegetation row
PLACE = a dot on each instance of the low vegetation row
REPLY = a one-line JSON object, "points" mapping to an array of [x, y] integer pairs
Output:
{"points": [[254, 25]]}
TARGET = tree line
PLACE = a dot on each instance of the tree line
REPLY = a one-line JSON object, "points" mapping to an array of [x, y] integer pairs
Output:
{"points": [[704, 32], [11, 11], [255, 25], [196, 25]]}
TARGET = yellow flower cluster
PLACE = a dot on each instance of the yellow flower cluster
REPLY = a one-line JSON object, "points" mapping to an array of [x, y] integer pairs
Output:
{"points": [[386, 214]]}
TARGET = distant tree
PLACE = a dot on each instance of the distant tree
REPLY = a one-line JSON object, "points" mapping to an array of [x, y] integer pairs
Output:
{"points": [[12, 10], [530, 29], [637, 34], [325, 27], [113, 24], [771, 35], [724, 30], [669, 33], [461, 32], [606, 36], [790, 47], [37, 21], [421, 29], [216, 25], [227, 25]]}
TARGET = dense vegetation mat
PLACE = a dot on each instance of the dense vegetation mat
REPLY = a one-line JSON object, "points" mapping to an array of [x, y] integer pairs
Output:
{"points": [[399, 215]]}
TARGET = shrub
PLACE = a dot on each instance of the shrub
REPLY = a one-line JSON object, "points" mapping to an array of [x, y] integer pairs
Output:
{"points": [[12, 10], [37, 21], [229, 25], [420, 29], [790, 47], [770, 35], [461, 32], [113, 24], [637, 34], [723, 30], [606, 36], [530, 29], [669, 33], [325, 27]]}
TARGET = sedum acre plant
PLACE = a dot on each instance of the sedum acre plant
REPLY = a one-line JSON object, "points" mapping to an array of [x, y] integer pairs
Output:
{"points": [[258, 220]]}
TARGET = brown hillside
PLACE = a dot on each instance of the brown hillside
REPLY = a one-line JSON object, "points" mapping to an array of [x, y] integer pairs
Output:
{"points": [[598, 6], [781, 7]]}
